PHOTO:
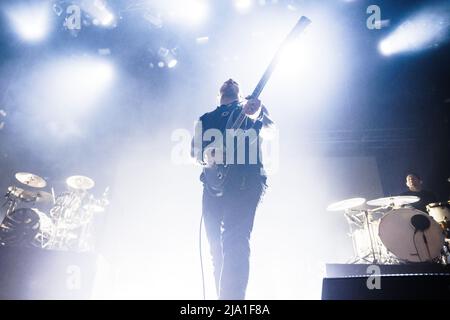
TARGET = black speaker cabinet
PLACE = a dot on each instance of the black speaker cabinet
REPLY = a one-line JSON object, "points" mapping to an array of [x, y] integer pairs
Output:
{"points": [[387, 287], [32, 273]]}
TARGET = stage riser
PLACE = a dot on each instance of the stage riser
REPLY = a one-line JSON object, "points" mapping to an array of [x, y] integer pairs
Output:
{"points": [[390, 288]]}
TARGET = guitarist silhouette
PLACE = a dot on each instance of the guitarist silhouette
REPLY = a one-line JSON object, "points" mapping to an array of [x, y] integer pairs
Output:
{"points": [[226, 143], [229, 212]]}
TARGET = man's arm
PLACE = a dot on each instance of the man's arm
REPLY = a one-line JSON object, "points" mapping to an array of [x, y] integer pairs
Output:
{"points": [[266, 124], [259, 113]]}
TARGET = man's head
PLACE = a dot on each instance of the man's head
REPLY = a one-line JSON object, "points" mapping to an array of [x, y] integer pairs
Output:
{"points": [[229, 91], [414, 182]]}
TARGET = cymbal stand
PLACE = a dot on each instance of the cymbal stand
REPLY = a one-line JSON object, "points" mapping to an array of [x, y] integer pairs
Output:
{"points": [[11, 202], [355, 224], [445, 254], [362, 220], [370, 231]]}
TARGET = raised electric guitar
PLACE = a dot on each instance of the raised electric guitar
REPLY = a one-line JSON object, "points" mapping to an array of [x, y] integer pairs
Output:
{"points": [[215, 175]]}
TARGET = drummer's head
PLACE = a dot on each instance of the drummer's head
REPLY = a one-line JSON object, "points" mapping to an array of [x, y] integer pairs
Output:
{"points": [[414, 182]]}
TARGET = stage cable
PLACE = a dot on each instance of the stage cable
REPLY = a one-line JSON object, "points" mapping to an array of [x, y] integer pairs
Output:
{"points": [[415, 245], [201, 256]]}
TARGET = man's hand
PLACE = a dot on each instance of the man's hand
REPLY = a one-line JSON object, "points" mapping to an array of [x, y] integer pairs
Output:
{"points": [[252, 108]]}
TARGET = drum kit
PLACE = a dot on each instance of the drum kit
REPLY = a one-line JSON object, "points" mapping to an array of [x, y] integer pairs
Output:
{"points": [[40, 219], [390, 231]]}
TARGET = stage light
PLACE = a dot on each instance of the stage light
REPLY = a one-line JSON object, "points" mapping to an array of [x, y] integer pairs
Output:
{"points": [[106, 19], [32, 22], [386, 47], [168, 58], [243, 6], [307, 58], [192, 12], [65, 90], [422, 31], [202, 40], [172, 63], [100, 13]]}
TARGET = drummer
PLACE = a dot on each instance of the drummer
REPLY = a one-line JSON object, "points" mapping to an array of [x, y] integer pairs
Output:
{"points": [[414, 184]]}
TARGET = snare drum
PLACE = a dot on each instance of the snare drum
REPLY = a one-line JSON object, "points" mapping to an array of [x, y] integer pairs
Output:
{"points": [[400, 237]]}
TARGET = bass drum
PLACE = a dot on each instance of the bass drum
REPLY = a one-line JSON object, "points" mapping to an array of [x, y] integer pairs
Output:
{"points": [[400, 237]]}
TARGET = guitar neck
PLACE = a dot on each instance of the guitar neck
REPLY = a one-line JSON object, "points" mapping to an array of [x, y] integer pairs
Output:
{"points": [[302, 23]]}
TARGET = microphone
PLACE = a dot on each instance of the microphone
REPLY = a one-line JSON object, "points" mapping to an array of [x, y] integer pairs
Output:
{"points": [[420, 222]]}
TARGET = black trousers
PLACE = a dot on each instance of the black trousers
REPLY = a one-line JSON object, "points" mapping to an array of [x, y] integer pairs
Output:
{"points": [[229, 222]]}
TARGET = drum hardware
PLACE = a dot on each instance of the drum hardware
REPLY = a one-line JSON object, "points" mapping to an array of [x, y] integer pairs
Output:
{"points": [[66, 225], [394, 232], [359, 221], [73, 215], [29, 196], [19, 227], [372, 252], [440, 211], [21, 194], [445, 255]]}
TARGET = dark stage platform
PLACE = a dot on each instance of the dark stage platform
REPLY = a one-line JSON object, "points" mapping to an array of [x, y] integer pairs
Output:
{"points": [[423, 281]]}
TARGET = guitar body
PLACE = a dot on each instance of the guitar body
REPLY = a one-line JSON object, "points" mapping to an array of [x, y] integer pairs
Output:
{"points": [[215, 178]]}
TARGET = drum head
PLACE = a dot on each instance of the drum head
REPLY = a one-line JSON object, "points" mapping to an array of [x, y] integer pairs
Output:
{"points": [[398, 235]]}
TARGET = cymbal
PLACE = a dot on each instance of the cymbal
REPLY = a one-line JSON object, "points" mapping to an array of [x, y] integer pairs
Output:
{"points": [[43, 196], [346, 204], [30, 196], [395, 201], [21, 194], [30, 180], [80, 182]]}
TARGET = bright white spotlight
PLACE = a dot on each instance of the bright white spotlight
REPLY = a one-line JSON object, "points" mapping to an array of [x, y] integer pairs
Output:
{"points": [[386, 47], [99, 11], [107, 19], [192, 12], [172, 63], [31, 22], [420, 32], [68, 89], [168, 57], [243, 5], [202, 40]]}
